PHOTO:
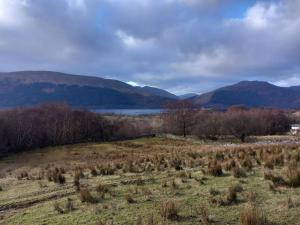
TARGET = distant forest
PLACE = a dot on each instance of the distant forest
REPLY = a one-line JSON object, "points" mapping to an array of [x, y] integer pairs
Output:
{"points": [[22, 129], [58, 124]]}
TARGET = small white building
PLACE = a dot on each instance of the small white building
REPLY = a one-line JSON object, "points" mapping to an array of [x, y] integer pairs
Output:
{"points": [[295, 129]]}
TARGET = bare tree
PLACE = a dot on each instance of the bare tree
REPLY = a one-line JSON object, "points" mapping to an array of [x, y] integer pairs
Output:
{"points": [[178, 117]]}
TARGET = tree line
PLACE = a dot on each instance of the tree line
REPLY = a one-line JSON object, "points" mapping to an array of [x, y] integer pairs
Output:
{"points": [[182, 119], [58, 124]]}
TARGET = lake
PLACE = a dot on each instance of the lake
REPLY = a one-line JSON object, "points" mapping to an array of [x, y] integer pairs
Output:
{"points": [[129, 112]]}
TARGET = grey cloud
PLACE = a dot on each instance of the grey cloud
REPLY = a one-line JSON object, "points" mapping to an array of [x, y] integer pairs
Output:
{"points": [[179, 45]]}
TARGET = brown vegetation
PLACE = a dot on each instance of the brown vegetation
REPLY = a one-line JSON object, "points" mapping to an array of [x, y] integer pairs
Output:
{"points": [[182, 119]]}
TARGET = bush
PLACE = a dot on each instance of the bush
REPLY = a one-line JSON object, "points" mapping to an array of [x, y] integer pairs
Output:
{"points": [[169, 210], [252, 216]]}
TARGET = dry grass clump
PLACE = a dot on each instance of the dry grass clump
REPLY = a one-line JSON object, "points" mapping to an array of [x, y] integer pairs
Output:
{"points": [[203, 212], [215, 168], [247, 163], [213, 191], [170, 210], [102, 189], [68, 207], [86, 196], [269, 164], [139, 220], [177, 164], [230, 165], [93, 171], [277, 180], [77, 183], [239, 172], [231, 196], [56, 175], [130, 199], [107, 169], [251, 215], [58, 208], [22, 175], [251, 196], [293, 174]]}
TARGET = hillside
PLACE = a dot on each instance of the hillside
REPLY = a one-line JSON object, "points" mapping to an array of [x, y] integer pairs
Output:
{"points": [[187, 96], [34, 87], [251, 94], [158, 92]]}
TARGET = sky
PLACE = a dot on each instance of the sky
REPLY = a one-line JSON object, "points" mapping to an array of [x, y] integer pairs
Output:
{"points": [[179, 45]]}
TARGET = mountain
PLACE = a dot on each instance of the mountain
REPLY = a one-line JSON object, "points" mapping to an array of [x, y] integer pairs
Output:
{"points": [[27, 88], [187, 96], [158, 92], [251, 94]]}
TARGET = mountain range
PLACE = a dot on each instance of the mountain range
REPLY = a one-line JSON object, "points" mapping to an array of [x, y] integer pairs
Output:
{"points": [[251, 94], [26, 88]]}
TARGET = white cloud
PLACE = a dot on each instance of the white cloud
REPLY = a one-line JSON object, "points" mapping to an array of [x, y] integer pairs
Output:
{"points": [[293, 80], [12, 12], [132, 83], [261, 15]]}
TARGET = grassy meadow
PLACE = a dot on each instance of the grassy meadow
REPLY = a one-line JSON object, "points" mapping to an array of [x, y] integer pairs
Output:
{"points": [[154, 181]]}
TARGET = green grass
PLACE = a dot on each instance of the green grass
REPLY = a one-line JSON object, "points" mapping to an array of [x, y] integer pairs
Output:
{"points": [[189, 194]]}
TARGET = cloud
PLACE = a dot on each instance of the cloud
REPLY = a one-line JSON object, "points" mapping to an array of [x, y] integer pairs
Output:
{"points": [[179, 45]]}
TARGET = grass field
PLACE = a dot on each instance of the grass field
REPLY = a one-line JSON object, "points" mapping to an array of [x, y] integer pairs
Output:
{"points": [[153, 181]]}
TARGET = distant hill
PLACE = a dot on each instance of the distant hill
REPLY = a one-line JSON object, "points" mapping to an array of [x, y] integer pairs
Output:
{"points": [[251, 94], [158, 92], [27, 88], [187, 96]]}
